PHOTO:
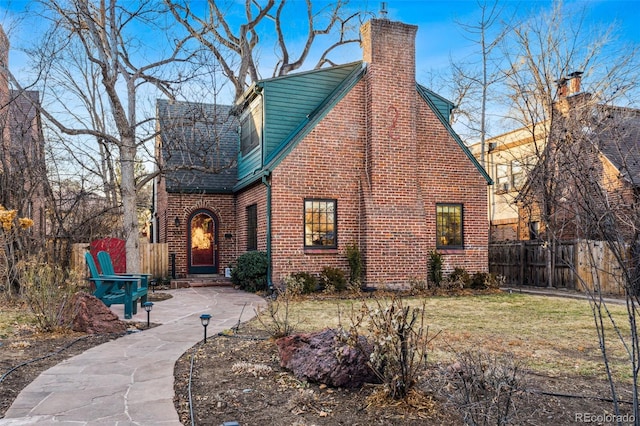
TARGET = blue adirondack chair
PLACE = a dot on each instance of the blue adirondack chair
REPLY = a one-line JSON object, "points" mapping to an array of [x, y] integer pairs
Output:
{"points": [[106, 265], [108, 288]]}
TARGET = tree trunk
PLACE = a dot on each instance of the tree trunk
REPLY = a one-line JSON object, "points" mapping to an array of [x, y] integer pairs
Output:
{"points": [[129, 214]]}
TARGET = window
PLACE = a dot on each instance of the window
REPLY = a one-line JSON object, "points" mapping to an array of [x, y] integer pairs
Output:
{"points": [[449, 226], [251, 128], [512, 175], [320, 224], [517, 174], [502, 177], [252, 227]]}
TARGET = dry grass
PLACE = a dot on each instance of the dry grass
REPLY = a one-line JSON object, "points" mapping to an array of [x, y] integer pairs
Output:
{"points": [[554, 336], [13, 319]]}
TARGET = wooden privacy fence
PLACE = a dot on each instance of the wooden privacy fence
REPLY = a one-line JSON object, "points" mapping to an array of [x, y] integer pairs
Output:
{"points": [[575, 265], [154, 259]]}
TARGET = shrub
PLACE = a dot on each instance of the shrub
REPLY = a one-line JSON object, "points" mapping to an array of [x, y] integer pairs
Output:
{"points": [[300, 283], [275, 316], [400, 340], [483, 280], [47, 290], [417, 285], [435, 268], [333, 279], [250, 273], [355, 265], [484, 386], [460, 276]]}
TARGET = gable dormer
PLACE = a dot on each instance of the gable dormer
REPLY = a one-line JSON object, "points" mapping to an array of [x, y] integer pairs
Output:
{"points": [[273, 111]]}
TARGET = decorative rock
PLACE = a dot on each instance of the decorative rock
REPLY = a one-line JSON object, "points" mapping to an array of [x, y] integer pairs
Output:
{"points": [[320, 357], [88, 314]]}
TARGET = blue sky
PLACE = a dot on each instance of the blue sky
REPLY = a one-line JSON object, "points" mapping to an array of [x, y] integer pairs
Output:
{"points": [[438, 36]]}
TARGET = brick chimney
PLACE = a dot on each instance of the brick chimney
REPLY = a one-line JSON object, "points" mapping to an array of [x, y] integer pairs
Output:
{"points": [[571, 99], [570, 86], [575, 79], [393, 214]]}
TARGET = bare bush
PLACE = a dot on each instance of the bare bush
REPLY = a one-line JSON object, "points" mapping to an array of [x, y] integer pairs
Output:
{"points": [[275, 316], [400, 339], [484, 386], [47, 290]]}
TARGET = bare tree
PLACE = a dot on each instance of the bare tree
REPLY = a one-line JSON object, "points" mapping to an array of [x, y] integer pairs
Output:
{"points": [[584, 183], [237, 42], [474, 80], [94, 69], [543, 55]]}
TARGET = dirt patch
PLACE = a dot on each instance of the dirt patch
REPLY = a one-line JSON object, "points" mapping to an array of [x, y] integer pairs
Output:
{"points": [[238, 378]]}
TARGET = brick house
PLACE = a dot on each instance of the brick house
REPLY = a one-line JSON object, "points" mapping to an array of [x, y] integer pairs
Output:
{"points": [[22, 165], [601, 142], [354, 154]]}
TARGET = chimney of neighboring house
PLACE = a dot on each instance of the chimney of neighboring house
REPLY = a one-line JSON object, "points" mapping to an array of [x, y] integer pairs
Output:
{"points": [[575, 78], [393, 216], [570, 96], [562, 88], [569, 86]]}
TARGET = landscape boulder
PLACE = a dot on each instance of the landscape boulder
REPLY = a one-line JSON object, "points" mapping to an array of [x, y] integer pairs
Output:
{"points": [[87, 314], [322, 357]]}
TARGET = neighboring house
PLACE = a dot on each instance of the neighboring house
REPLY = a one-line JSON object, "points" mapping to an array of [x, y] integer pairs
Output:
{"points": [[586, 141], [509, 159], [22, 165], [353, 154]]}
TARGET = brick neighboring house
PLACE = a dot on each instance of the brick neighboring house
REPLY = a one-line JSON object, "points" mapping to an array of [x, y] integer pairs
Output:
{"points": [[22, 165], [353, 154], [601, 142]]}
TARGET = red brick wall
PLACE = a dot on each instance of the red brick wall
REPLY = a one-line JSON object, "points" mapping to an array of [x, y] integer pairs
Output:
{"points": [[446, 175], [327, 164], [256, 194], [222, 206], [383, 154]]}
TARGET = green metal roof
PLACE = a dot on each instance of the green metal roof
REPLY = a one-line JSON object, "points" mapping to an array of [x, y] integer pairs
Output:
{"points": [[289, 100], [443, 106], [294, 104], [292, 131]]}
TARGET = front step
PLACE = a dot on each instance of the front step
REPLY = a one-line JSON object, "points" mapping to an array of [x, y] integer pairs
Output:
{"points": [[204, 281]]}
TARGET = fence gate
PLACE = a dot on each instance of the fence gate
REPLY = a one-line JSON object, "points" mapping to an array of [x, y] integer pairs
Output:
{"points": [[116, 249]]}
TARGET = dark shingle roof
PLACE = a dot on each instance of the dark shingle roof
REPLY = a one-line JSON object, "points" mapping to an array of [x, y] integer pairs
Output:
{"points": [[199, 146], [619, 141]]}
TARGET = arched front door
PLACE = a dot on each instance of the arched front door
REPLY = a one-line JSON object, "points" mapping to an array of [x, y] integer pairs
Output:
{"points": [[203, 243]]}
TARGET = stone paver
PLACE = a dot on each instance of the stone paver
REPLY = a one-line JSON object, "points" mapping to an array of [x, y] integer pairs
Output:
{"points": [[129, 381]]}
